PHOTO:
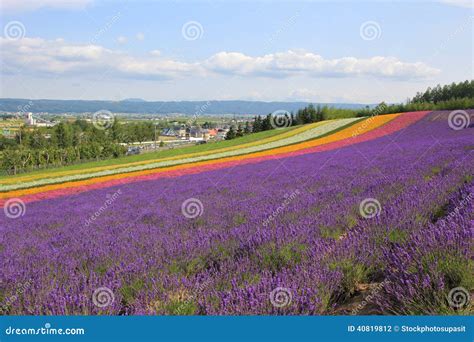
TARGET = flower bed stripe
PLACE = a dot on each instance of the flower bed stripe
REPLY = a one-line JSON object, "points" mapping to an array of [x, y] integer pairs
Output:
{"points": [[368, 129], [43, 175], [316, 131]]}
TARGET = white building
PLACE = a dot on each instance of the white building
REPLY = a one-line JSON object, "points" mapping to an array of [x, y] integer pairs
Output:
{"points": [[30, 120]]}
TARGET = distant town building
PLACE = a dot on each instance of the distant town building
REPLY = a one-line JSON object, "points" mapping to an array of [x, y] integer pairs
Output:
{"points": [[221, 133], [212, 133], [30, 120], [175, 131]]}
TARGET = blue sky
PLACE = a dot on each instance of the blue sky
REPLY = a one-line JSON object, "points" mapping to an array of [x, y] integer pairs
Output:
{"points": [[361, 52]]}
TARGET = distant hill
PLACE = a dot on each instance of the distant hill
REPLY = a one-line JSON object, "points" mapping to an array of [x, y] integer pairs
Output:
{"points": [[159, 107], [133, 100]]}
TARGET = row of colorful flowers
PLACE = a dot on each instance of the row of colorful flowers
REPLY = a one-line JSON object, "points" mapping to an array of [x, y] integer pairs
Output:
{"points": [[285, 133], [377, 127], [314, 132]]}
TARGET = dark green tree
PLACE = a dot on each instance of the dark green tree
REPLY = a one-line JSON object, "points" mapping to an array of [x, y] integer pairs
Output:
{"points": [[247, 129], [63, 135], [240, 131], [230, 134], [257, 124]]}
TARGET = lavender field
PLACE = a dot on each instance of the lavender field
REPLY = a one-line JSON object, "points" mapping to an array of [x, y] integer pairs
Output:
{"points": [[380, 227]]}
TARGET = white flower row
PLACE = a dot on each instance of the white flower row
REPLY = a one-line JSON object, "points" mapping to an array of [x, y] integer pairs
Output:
{"points": [[303, 136]]}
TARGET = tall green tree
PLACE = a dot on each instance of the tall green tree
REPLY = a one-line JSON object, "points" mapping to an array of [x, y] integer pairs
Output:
{"points": [[257, 124], [63, 135], [230, 134], [247, 129], [240, 131]]}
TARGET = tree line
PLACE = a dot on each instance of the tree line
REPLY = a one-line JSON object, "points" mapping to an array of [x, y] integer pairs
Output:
{"points": [[69, 143], [453, 96], [448, 97], [303, 116], [461, 90]]}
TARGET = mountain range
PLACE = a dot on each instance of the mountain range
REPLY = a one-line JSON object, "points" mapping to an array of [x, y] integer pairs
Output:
{"points": [[158, 107]]}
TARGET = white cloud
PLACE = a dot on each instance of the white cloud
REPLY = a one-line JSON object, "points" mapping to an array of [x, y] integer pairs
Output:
{"points": [[31, 5], [283, 64], [140, 36], [59, 57], [326, 95], [459, 3], [36, 55], [122, 40], [304, 94]]}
